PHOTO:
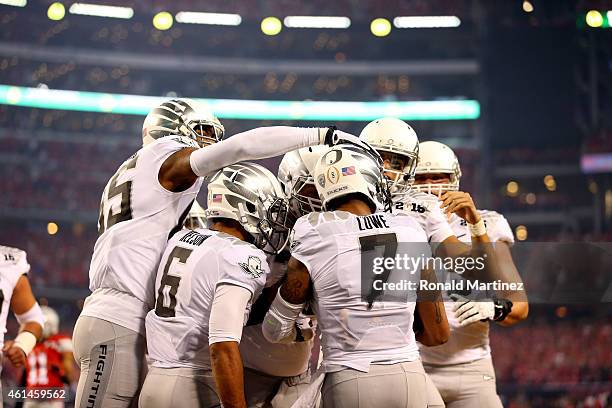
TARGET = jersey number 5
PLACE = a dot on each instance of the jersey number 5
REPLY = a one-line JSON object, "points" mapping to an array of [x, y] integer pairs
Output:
{"points": [[125, 191], [166, 295]]}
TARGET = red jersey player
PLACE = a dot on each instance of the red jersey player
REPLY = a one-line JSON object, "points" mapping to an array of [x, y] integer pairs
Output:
{"points": [[50, 363]]}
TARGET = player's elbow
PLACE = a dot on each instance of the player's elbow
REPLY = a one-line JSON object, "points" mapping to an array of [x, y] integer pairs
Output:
{"points": [[519, 312], [434, 337]]}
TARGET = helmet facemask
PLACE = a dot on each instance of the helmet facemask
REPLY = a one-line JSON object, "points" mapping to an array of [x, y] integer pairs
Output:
{"points": [[438, 189], [251, 195], [402, 167], [194, 222], [304, 196], [205, 132], [437, 159]]}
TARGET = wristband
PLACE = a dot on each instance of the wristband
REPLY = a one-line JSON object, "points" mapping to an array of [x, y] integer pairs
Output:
{"points": [[478, 229], [25, 341], [503, 307]]}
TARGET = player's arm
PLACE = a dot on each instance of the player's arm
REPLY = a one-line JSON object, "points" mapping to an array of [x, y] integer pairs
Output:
{"points": [[31, 320], [462, 204], [507, 308], [225, 330], [430, 322], [279, 325], [68, 364], [520, 306], [182, 168]]}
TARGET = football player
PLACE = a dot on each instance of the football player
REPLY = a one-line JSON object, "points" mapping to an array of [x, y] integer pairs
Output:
{"points": [[462, 369], [16, 295], [277, 374], [205, 285], [142, 206], [51, 363], [371, 358], [196, 218]]}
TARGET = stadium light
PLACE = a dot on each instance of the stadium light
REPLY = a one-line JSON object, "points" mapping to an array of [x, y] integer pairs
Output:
{"points": [[317, 22], [52, 228], [56, 11], [427, 22], [16, 3], [100, 10], [380, 27], [594, 19], [192, 17], [521, 232], [163, 21], [512, 188], [271, 26], [527, 6], [242, 109]]}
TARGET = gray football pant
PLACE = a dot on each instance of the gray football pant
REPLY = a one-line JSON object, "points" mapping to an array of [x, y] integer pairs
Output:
{"points": [[111, 358], [266, 391], [401, 385], [178, 387], [466, 385]]}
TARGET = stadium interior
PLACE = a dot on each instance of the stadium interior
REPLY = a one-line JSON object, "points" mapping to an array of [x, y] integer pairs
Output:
{"points": [[537, 147]]}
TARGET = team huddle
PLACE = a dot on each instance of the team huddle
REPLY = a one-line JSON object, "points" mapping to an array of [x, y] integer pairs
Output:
{"points": [[258, 299]]}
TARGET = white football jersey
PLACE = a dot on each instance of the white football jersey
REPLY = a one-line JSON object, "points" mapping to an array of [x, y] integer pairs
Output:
{"points": [[13, 264], [471, 342], [192, 266], [425, 208], [137, 217], [330, 245]]}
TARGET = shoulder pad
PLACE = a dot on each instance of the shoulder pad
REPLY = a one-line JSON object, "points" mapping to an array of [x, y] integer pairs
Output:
{"points": [[491, 215], [11, 256]]}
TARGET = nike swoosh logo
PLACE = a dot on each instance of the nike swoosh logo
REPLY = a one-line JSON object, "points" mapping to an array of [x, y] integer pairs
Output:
{"points": [[462, 235]]}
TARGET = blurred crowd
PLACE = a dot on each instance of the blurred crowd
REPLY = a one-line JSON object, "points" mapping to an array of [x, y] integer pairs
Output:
{"points": [[278, 86]]}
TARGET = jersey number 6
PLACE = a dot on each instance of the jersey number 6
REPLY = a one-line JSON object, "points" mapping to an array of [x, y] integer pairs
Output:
{"points": [[166, 295]]}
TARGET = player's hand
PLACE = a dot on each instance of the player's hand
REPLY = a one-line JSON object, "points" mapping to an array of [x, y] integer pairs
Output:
{"points": [[460, 203], [14, 353], [470, 311]]}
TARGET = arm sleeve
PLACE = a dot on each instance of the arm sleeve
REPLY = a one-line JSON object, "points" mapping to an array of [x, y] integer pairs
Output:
{"points": [[227, 313], [279, 325], [255, 144]]}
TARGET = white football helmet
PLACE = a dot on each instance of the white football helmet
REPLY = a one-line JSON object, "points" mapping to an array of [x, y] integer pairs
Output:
{"points": [[182, 117], [349, 169], [51, 326], [196, 217], [295, 174], [436, 157], [396, 137], [250, 194]]}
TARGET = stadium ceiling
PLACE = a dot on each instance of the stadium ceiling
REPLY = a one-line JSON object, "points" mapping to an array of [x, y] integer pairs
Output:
{"points": [[243, 109]]}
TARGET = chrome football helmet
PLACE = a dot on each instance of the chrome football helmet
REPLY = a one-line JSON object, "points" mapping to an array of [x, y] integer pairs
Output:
{"points": [[182, 117], [250, 194]]}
